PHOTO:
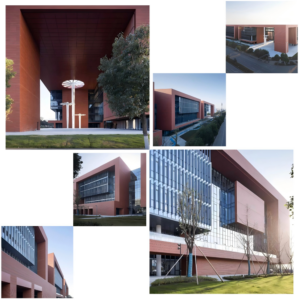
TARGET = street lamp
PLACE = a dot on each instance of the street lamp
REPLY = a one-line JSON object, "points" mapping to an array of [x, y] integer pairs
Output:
{"points": [[80, 115], [73, 84], [179, 248], [67, 105]]}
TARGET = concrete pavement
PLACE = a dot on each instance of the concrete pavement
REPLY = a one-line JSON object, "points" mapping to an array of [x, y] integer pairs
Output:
{"points": [[232, 69], [256, 65], [70, 131]]}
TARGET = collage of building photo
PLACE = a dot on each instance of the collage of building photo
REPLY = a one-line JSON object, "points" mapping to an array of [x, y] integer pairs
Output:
{"points": [[139, 175]]}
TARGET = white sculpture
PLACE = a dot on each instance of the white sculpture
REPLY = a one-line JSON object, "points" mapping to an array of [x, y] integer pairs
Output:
{"points": [[80, 115], [67, 106], [73, 84]]}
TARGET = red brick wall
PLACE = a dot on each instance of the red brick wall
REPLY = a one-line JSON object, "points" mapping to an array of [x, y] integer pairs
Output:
{"points": [[157, 134], [13, 18], [17, 270]]}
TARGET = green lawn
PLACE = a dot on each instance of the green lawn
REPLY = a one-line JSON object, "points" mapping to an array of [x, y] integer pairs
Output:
{"points": [[269, 285], [119, 221], [118, 141]]}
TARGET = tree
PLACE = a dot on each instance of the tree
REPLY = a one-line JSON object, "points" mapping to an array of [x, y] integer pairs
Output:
{"points": [[77, 164], [190, 217], [9, 75], [245, 238], [290, 204], [125, 76], [268, 245], [76, 200]]}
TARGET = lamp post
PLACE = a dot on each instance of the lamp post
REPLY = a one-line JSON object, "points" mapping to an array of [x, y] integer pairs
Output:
{"points": [[179, 248], [67, 105], [80, 115], [73, 84]]}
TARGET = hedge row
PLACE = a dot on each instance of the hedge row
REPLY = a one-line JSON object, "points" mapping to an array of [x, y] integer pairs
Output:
{"points": [[205, 135], [238, 46]]}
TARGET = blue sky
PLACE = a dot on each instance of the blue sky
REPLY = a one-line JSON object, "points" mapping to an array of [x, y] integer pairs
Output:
{"points": [[45, 110], [208, 87], [92, 161], [275, 166], [261, 12], [60, 241]]}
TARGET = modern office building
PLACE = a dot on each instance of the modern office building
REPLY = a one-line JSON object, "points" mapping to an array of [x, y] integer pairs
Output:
{"points": [[27, 269], [282, 35], [233, 193], [175, 110], [58, 43], [112, 189]]}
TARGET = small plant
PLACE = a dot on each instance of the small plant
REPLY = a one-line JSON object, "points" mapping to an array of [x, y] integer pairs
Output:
{"points": [[250, 50], [284, 57]]}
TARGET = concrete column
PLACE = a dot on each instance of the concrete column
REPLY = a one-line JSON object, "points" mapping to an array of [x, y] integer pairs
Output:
{"points": [[158, 257]]}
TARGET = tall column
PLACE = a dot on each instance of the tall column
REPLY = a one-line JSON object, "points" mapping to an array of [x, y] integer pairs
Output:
{"points": [[158, 256], [73, 105]]}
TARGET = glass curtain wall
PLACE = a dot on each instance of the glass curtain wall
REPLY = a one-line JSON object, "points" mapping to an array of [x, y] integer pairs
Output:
{"points": [[171, 172], [19, 243], [95, 106], [185, 110], [135, 192], [55, 101], [98, 188], [58, 280], [249, 33], [230, 31]]}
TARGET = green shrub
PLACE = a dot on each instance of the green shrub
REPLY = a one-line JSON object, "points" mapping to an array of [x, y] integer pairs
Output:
{"points": [[181, 280], [195, 142], [215, 128], [238, 47], [295, 56], [237, 277], [261, 52], [284, 57], [250, 50], [244, 47], [206, 134]]}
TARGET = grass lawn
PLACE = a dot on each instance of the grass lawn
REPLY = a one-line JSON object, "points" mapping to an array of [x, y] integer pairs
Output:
{"points": [[269, 285], [119, 221], [118, 141]]}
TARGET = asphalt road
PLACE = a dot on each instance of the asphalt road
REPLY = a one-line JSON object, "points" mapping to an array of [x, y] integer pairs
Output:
{"points": [[256, 65], [221, 137], [232, 69]]}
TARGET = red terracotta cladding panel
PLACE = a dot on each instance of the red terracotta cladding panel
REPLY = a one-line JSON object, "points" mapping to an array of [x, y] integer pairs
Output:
{"points": [[17, 270], [249, 208]]}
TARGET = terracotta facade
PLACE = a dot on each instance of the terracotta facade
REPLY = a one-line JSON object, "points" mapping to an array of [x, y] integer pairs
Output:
{"points": [[122, 179], [15, 274], [283, 35], [58, 43]]}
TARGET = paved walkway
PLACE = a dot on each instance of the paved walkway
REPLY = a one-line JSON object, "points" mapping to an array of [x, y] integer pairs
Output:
{"points": [[153, 278], [69, 131], [117, 216], [258, 66], [221, 137]]}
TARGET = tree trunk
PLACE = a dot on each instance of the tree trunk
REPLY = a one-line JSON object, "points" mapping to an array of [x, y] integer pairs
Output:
{"points": [[77, 211], [268, 267], [249, 267], [190, 269], [145, 134]]}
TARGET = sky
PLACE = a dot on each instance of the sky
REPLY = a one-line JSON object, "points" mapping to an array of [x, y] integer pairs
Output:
{"points": [[261, 12], [92, 161], [45, 112], [60, 242], [207, 87], [275, 166]]}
